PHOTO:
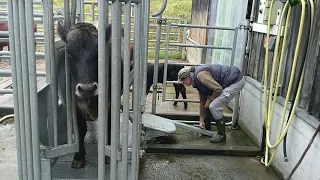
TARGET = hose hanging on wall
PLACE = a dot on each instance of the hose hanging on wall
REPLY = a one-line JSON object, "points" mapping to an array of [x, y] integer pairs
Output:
{"points": [[309, 31]]}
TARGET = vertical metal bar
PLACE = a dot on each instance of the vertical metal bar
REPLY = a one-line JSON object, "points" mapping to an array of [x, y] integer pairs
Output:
{"points": [[73, 12], [33, 90], [234, 46], [17, 69], [115, 85], [126, 86], [102, 86], [136, 93], [15, 89], [165, 71], [74, 116], [156, 64], [92, 12], [146, 19], [107, 77], [46, 169], [178, 48], [184, 37], [81, 10], [26, 89], [68, 77]]}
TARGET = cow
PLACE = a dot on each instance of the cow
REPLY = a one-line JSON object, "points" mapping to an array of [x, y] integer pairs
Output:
{"points": [[82, 48], [4, 27]]}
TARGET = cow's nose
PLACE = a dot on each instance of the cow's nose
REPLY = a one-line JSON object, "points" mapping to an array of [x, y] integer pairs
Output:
{"points": [[90, 89]]}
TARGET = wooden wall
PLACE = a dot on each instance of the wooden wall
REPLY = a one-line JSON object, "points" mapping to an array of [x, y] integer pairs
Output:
{"points": [[310, 97]]}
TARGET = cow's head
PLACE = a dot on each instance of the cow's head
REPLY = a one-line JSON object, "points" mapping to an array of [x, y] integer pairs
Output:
{"points": [[82, 49]]}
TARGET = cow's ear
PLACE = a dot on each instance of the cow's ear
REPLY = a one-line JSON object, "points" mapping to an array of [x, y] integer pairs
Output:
{"points": [[62, 31]]}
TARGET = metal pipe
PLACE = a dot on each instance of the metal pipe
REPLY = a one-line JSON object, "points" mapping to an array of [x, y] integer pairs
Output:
{"points": [[92, 12], [7, 53], [178, 41], [68, 77], [82, 10], [184, 37], [183, 100], [73, 12], [17, 116], [108, 74], [203, 27], [102, 87], [115, 86], [126, 86], [235, 39], [136, 94], [164, 5], [156, 64], [17, 69], [33, 91], [8, 73], [26, 88], [200, 46], [6, 33], [185, 64], [39, 40], [6, 91], [165, 70]]}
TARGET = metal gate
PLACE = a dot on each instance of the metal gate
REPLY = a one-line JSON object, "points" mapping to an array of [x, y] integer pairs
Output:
{"points": [[46, 130]]}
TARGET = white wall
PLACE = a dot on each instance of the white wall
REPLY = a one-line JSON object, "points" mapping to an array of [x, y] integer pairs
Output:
{"points": [[299, 134]]}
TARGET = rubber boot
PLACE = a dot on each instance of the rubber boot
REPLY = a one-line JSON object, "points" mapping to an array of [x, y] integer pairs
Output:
{"points": [[208, 120], [221, 134]]}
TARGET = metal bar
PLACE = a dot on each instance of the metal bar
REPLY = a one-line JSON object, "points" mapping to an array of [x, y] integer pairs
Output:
{"points": [[136, 94], [46, 169], [74, 117], [92, 12], [200, 46], [178, 41], [6, 91], [156, 64], [39, 40], [193, 128], [146, 20], [6, 33], [7, 53], [164, 5], [184, 37], [8, 73], [186, 64], [119, 154], [234, 46], [26, 89], [197, 122], [82, 11], [102, 87], [126, 86], [204, 27], [183, 100], [68, 76], [165, 71], [108, 74], [115, 85], [15, 91], [18, 70], [73, 12]]}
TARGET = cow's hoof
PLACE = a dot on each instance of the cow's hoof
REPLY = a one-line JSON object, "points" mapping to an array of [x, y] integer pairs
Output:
{"points": [[175, 104], [78, 164]]}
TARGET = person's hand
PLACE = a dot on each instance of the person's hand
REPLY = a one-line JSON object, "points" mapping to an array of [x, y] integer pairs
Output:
{"points": [[208, 102], [202, 125]]}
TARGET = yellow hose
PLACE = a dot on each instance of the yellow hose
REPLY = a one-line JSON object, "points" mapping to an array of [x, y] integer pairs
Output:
{"points": [[269, 107]]}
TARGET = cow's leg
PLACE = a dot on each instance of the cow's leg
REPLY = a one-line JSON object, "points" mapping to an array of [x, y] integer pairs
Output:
{"points": [[177, 93], [79, 160], [184, 95]]}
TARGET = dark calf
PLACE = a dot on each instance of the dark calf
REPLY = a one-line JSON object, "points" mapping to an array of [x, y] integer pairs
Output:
{"points": [[172, 75], [4, 27], [82, 48]]}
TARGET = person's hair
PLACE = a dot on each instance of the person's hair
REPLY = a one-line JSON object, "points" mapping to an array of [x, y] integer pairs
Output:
{"points": [[192, 69]]}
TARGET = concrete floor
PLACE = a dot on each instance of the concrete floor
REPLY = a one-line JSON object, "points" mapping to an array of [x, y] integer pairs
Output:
{"points": [[190, 167]]}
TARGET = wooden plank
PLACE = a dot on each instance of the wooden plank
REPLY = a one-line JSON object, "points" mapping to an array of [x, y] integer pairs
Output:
{"points": [[261, 59], [314, 107], [199, 16], [257, 55], [254, 50]]}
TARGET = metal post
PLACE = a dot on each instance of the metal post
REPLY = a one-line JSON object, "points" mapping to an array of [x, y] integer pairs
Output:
{"points": [[136, 94], [33, 91], [156, 64], [178, 48], [115, 86], [92, 12], [19, 98], [165, 71], [26, 88], [126, 86], [73, 12], [102, 87], [82, 10], [68, 77], [234, 46], [15, 90]]}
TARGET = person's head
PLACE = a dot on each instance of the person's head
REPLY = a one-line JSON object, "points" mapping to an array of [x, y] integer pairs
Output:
{"points": [[184, 76]]}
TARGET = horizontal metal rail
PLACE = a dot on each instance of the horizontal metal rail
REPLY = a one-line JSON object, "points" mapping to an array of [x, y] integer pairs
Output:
{"points": [[4, 3], [183, 100], [7, 53], [8, 73], [6, 91], [6, 33], [203, 27], [200, 46], [7, 40], [36, 21]]}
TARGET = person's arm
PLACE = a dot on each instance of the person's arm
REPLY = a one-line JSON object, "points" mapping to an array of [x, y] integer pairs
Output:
{"points": [[202, 113], [206, 79]]}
